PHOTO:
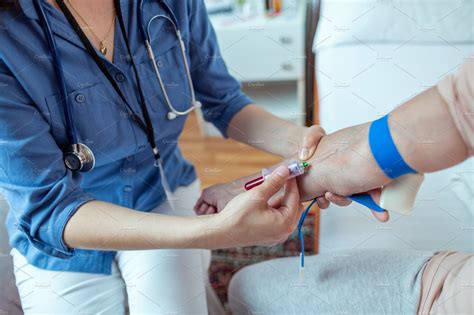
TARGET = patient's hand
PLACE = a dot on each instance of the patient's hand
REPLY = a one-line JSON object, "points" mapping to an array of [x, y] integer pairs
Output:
{"points": [[213, 199], [343, 165], [309, 147]]}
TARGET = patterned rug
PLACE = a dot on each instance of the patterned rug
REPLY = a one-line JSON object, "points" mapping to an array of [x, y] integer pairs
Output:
{"points": [[225, 263]]}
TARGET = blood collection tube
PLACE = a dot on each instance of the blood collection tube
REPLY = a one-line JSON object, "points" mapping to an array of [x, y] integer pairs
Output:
{"points": [[295, 167]]}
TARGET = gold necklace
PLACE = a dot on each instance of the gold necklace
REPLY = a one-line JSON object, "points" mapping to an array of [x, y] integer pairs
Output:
{"points": [[102, 46]]}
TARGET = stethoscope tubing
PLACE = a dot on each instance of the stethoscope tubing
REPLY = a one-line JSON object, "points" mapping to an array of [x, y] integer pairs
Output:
{"points": [[58, 69], [151, 55]]}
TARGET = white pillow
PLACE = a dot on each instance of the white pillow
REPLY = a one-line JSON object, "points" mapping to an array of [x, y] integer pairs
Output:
{"points": [[388, 21]]}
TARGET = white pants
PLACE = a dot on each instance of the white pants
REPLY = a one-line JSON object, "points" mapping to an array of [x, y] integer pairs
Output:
{"points": [[148, 281]]}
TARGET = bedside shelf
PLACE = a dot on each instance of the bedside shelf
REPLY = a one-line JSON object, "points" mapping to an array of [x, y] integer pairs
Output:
{"points": [[279, 98], [266, 54]]}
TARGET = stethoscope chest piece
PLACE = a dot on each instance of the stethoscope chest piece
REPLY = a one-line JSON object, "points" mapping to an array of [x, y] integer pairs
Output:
{"points": [[79, 158]]}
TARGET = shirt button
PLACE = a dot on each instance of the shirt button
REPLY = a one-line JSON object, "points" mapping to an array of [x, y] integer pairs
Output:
{"points": [[129, 158], [141, 148], [120, 77], [80, 98], [127, 188]]}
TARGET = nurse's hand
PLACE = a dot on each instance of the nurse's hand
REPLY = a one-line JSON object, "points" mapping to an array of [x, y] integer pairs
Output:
{"points": [[251, 219], [213, 199], [311, 137], [374, 193]]}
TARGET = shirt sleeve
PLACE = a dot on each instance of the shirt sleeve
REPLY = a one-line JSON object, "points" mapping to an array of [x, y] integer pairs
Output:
{"points": [[457, 91], [42, 194], [217, 90]]}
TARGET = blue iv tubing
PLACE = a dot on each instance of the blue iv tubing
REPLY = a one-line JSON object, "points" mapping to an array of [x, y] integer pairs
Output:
{"points": [[363, 199], [300, 228]]}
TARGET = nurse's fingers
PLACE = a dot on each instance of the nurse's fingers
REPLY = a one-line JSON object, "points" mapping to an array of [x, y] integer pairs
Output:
{"points": [[291, 198], [323, 203], [381, 216], [275, 201], [337, 200], [310, 141]]}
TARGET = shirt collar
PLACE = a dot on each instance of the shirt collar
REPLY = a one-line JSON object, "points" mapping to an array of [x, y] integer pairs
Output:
{"points": [[28, 9], [61, 26]]}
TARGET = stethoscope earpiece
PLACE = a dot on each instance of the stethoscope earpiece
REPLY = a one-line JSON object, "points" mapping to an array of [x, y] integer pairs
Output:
{"points": [[79, 158], [195, 105], [171, 116]]}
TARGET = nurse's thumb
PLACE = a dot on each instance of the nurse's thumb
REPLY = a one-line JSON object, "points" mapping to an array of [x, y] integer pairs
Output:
{"points": [[273, 183]]}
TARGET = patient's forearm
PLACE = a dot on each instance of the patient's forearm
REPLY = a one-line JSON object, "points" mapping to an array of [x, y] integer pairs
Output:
{"points": [[423, 131], [426, 134], [102, 225]]}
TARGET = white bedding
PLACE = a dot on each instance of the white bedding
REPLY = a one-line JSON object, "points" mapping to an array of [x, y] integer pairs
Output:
{"points": [[345, 22], [358, 82]]}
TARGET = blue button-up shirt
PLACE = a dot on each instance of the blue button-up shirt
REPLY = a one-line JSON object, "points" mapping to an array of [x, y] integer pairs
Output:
{"points": [[41, 192]]}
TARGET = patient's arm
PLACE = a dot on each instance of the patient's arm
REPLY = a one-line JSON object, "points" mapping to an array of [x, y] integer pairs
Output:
{"points": [[432, 131]]}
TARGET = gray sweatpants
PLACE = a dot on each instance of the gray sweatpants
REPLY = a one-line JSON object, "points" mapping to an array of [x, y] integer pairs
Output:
{"points": [[347, 282]]}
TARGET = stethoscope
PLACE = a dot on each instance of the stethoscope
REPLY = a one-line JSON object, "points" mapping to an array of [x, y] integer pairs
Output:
{"points": [[78, 157], [195, 104]]}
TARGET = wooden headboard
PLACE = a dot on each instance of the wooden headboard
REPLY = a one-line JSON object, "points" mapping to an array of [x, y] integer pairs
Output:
{"points": [[311, 99], [311, 93]]}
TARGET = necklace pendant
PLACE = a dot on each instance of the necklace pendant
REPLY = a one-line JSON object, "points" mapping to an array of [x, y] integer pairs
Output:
{"points": [[102, 48]]}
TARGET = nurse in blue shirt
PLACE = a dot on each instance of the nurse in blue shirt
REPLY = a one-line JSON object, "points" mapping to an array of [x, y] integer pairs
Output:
{"points": [[73, 231]]}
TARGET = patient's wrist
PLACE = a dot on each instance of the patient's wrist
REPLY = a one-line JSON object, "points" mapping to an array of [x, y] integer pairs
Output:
{"points": [[343, 164]]}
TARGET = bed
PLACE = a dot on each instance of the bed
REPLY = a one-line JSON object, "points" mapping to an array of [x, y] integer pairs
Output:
{"points": [[371, 56]]}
